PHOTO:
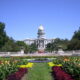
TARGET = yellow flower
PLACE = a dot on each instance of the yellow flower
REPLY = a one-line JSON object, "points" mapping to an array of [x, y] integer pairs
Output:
{"points": [[51, 64], [6, 62], [59, 65], [22, 66], [29, 65]]}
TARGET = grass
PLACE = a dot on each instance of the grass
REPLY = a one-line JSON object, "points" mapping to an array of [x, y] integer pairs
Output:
{"points": [[39, 71]]}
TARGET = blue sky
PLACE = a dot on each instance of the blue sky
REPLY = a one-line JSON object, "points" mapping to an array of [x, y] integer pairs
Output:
{"points": [[60, 18]]}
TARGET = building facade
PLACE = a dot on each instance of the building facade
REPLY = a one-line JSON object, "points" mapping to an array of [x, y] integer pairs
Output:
{"points": [[40, 41]]}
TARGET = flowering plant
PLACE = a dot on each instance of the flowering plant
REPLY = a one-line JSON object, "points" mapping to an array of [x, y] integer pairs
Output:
{"points": [[60, 74], [52, 64], [17, 75], [29, 65]]}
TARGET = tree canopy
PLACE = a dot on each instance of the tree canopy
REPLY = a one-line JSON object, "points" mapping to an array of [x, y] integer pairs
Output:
{"points": [[76, 34], [3, 36], [54, 46], [74, 43]]}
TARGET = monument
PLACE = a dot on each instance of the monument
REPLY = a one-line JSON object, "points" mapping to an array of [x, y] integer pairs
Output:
{"points": [[40, 41]]}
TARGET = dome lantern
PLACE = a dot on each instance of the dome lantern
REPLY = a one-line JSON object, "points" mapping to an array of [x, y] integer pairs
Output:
{"points": [[41, 28], [40, 32]]}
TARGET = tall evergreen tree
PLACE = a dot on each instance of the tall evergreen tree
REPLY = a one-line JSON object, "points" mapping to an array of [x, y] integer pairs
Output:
{"points": [[3, 36], [76, 34], [74, 43]]}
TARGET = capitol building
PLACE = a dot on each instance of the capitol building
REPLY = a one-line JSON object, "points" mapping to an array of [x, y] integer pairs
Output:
{"points": [[40, 41]]}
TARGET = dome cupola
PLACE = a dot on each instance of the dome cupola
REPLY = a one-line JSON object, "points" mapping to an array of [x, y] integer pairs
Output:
{"points": [[40, 32], [41, 28]]}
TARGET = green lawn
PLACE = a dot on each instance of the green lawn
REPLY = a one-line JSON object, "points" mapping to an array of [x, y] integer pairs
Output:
{"points": [[39, 71]]}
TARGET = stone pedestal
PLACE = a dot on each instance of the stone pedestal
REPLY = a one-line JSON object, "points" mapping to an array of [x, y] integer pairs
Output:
{"points": [[22, 51], [60, 51]]}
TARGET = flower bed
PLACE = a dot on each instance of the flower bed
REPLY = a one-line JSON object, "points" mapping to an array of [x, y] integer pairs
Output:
{"points": [[17, 75], [40, 60], [59, 74], [64, 68], [9, 66], [71, 65], [20, 73]]}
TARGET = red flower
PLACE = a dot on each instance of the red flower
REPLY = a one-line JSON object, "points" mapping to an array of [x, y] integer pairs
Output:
{"points": [[17, 75], [60, 74]]}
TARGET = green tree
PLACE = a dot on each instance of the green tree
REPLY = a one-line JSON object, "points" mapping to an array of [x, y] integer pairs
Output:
{"points": [[27, 48], [22, 44], [74, 43], [54, 46], [11, 46], [76, 34], [33, 48], [3, 37], [49, 47]]}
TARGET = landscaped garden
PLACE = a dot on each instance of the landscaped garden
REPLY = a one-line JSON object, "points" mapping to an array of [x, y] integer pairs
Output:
{"points": [[40, 68]]}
